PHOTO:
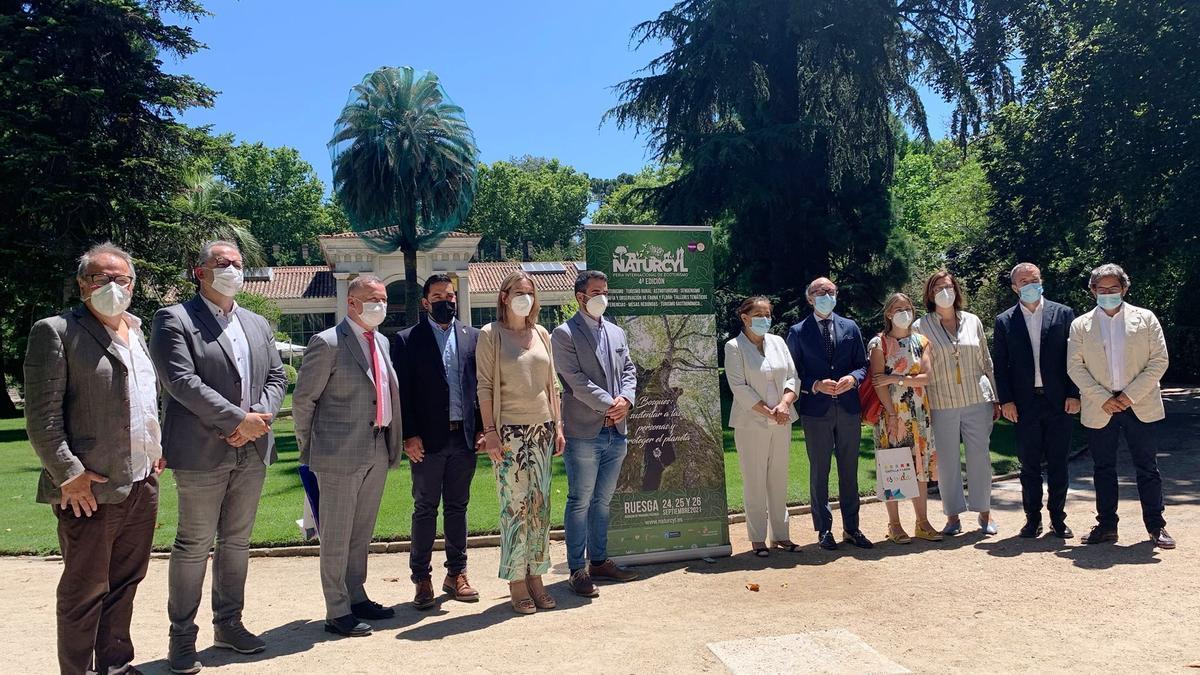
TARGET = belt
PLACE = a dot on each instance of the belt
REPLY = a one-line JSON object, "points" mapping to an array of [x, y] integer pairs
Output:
{"points": [[456, 425], [1039, 391], [610, 422]]}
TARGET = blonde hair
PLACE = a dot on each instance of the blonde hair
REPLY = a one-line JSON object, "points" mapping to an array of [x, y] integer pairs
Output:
{"points": [[506, 287], [893, 300]]}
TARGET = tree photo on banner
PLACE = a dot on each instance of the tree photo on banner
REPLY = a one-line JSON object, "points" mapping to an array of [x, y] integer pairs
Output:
{"points": [[670, 499]]}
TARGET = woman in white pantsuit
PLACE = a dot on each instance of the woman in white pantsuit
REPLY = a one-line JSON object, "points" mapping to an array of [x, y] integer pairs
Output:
{"points": [[762, 376], [962, 396]]}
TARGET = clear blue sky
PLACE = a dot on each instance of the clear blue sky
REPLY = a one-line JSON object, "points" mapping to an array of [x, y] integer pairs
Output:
{"points": [[533, 76]]}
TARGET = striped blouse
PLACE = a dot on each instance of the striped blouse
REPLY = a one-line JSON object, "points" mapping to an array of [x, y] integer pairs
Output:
{"points": [[967, 379]]}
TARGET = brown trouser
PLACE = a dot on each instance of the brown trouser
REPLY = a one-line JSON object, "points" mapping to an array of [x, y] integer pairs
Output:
{"points": [[104, 558]]}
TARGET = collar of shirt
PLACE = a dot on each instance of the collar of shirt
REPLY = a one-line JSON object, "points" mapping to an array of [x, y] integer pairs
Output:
{"points": [[1040, 306], [217, 311], [444, 331], [130, 320], [1109, 320]]}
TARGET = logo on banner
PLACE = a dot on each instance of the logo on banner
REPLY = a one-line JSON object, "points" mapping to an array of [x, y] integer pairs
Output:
{"points": [[650, 259]]}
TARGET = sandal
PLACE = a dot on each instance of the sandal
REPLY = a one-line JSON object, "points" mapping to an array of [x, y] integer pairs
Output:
{"points": [[927, 533], [544, 601], [786, 546], [897, 535], [524, 605]]}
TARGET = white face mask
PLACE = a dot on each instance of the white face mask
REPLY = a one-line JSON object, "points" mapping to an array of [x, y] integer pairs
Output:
{"points": [[521, 305], [596, 305], [944, 298], [373, 313], [227, 280], [902, 319], [111, 300]]}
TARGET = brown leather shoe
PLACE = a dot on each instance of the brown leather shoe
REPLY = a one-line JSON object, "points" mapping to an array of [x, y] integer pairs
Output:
{"points": [[581, 584], [611, 571], [1161, 539], [424, 597], [458, 586]]}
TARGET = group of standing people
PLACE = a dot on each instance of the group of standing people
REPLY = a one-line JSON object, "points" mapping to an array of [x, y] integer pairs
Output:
{"points": [[440, 394], [941, 389]]}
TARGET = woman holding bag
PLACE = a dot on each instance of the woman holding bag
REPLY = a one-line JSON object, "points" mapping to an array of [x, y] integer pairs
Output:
{"points": [[762, 376], [899, 367], [522, 430]]}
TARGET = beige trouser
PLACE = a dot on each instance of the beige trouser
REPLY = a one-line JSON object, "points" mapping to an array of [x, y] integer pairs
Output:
{"points": [[763, 457]]}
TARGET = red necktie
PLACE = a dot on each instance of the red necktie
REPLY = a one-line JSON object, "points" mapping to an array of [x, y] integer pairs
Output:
{"points": [[375, 368]]}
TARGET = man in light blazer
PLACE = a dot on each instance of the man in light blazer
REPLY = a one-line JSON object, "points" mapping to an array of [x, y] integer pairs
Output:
{"points": [[1117, 355], [219, 365], [599, 379], [831, 361], [1029, 351], [91, 412], [347, 411]]}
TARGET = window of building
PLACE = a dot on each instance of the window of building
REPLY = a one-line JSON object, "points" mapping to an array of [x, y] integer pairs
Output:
{"points": [[482, 316], [301, 327]]}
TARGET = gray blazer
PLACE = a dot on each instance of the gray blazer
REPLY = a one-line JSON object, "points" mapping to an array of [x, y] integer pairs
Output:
{"points": [[334, 403], [585, 395], [195, 364], [77, 405]]}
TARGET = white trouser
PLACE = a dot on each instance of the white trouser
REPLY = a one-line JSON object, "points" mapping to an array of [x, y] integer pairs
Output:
{"points": [[763, 456]]}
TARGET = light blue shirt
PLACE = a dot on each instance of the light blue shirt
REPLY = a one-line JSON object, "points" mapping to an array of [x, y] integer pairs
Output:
{"points": [[447, 341], [602, 353]]}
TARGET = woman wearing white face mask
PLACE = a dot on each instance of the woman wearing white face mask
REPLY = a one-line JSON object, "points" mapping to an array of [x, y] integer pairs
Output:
{"points": [[522, 429], [962, 396], [762, 376], [900, 366]]}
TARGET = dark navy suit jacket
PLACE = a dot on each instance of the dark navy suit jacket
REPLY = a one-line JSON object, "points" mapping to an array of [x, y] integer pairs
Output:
{"points": [[1012, 356], [424, 392], [808, 351]]}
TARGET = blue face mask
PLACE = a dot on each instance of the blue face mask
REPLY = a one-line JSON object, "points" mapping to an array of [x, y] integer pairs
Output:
{"points": [[759, 325], [1109, 301], [824, 304], [1031, 293]]}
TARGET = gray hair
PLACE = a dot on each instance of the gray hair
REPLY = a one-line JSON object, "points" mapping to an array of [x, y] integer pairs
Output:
{"points": [[362, 281], [1109, 270], [1022, 267], [808, 291], [206, 251], [585, 276], [106, 248]]}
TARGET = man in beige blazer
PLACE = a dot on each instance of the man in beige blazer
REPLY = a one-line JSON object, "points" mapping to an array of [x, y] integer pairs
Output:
{"points": [[1117, 355]]}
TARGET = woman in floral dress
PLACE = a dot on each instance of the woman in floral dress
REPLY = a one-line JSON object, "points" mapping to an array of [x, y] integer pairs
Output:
{"points": [[899, 369]]}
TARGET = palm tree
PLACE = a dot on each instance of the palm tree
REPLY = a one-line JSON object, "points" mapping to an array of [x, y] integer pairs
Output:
{"points": [[200, 210], [404, 163]]}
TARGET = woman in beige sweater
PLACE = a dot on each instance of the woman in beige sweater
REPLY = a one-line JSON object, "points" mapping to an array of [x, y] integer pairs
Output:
{"points": [[522, 429]]}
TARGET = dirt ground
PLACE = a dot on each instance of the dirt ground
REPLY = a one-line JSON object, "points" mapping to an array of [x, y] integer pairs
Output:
{"points": [[967, 604]]}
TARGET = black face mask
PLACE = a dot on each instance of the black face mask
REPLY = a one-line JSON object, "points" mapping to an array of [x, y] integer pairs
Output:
{"points": [[443, 311]]}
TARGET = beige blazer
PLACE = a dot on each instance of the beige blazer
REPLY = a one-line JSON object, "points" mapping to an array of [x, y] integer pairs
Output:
{"points": [[749, 372], [1145, 360]]}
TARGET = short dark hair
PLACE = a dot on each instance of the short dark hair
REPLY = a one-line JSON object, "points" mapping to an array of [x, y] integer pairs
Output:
{"points": [[937, 276], [438, 278], [585, 276]]}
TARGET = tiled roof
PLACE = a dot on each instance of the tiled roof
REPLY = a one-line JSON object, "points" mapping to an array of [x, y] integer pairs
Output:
{"points": [[312, 281], [290, 283], [347, 235], [487, 277]]}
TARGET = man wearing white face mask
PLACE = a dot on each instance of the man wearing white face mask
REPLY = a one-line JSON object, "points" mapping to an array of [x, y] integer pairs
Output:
{"points": [[599, 380], [219, 364], [347, 411], [91, 412]]}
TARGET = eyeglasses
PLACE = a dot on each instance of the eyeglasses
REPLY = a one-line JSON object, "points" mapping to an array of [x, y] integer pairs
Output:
{"points": [[105, 279], [222, 262], [1107, 290], [824, 291]]}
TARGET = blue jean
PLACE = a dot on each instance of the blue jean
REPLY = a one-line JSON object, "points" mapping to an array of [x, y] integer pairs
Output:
{"points": [[593, 466]]}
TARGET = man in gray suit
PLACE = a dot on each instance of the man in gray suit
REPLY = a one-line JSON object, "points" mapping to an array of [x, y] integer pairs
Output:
{"points": [[219, 364], [91, 412], [599, 380], [347, 411]]}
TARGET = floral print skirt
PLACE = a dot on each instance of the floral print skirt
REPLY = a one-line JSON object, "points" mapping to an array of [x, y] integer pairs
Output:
{"points": [[523, 482]]}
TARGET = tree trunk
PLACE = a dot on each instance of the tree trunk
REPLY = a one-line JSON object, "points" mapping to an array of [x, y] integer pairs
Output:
{"points": [[8, 409], [412, 290]]}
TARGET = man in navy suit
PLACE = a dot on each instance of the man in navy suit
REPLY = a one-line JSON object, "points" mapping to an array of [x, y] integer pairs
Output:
{"points": [[832, 362], [1030, 357], [435, 364]]}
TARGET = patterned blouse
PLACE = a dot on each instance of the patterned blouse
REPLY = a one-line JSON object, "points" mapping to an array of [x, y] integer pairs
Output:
{"points": [[962, 366]]}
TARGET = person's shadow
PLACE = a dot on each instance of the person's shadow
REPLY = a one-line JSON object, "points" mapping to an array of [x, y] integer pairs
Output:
{"points": [[492, 616], [293, 637], [1015, 545], [1105, 556]]}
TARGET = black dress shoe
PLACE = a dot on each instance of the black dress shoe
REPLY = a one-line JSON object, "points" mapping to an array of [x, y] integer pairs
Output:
{"points": [[371, 611], [1032, 529], [1061, 530], [347, 626], [1100, 535], [1161, 539], [858, 539], [826, 541]]}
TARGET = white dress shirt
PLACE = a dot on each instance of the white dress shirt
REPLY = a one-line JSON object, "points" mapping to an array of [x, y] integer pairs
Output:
{"points": [[1113, 330], [232, 327], [386, 385], [1033, 323], [145, 435]]}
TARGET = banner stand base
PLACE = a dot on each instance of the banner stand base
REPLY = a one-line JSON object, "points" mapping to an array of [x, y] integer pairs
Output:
{"points": [[658, 557]]}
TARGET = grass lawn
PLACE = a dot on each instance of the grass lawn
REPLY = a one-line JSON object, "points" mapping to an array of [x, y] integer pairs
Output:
{"points": [[28, 527]]}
